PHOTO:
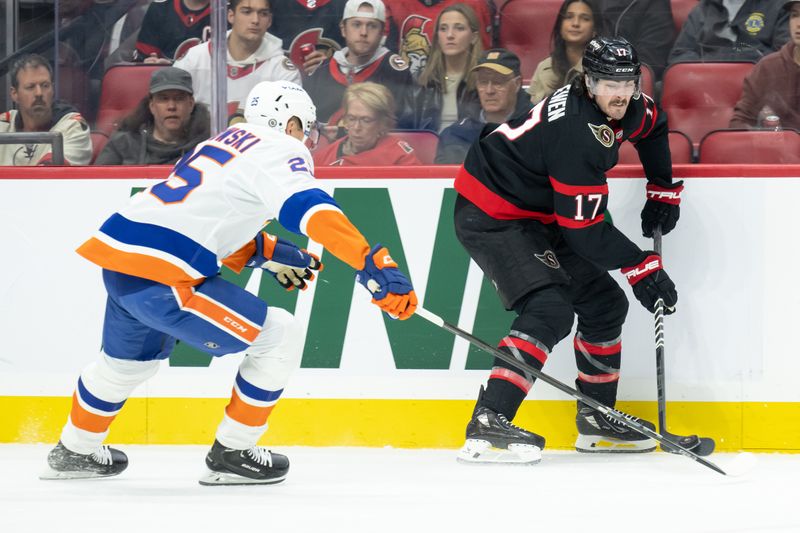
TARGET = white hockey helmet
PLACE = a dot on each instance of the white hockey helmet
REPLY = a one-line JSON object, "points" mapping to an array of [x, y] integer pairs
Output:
{"points": [[274, 103]]}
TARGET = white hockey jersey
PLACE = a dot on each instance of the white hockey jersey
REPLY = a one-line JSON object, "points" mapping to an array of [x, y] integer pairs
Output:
{"points": [[268, 63], [178, 231]]}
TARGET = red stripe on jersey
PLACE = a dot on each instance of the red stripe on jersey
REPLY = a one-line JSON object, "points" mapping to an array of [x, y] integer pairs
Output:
{"points": [[644, 119], [527, 347], [188, 17], [511, 377], [653, 123], [571, 223], [600, 378], [575, 190], [594, 349], [492, 203]]}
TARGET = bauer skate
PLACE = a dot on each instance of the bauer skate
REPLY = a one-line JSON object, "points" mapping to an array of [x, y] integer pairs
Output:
{"points": [[491, 438], [66, 464], [598, 433], [254, 466]]}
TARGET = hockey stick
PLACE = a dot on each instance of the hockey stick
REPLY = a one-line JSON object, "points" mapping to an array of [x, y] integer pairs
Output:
{"points": [[702, 446], [620, 417]]}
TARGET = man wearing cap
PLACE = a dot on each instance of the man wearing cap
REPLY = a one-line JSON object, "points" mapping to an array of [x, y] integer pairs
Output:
{"points": [[499, 85], [363, 59], [773, 86], [164, 126], [32, 92]]}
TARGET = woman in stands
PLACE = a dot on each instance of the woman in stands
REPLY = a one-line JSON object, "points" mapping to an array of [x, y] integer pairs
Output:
{"points": [[577, 22], [446, 94], [369, 114]]}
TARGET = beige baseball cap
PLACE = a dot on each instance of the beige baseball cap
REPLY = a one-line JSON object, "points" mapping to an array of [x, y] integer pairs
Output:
{"points": [[353, 8]]}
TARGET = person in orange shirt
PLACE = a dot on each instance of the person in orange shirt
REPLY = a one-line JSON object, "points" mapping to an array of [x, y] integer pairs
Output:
{"points": [[368, 117]]}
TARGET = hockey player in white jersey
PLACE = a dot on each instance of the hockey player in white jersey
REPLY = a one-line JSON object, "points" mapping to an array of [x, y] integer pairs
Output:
{"points": [[161, 256]]}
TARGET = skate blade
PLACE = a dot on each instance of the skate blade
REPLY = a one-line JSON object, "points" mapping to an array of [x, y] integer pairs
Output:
{"points": [[477, 451], [211, 478], [598, 444], [51, 474]]}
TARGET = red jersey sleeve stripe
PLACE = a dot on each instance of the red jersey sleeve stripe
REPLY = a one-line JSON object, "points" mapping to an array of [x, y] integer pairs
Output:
{"points": [[575, 190], [644, 118], [653, 122], [571, 223], [492, 203]]}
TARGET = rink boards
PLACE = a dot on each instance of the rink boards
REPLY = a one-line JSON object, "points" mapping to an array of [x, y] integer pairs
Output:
{"points": [[367, 380]]}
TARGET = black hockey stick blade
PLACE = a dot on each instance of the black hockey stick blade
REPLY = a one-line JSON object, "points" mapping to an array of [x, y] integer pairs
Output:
{"points": [[702, 446], [620, 417]]}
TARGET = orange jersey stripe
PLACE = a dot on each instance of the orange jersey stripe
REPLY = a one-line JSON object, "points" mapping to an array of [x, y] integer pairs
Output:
{"points": [[83, 419], [237, 259], [217, 314], [247, 414], [133, 264], [333, 230]]}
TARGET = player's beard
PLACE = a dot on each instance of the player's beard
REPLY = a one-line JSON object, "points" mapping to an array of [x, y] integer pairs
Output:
{"points": [[617, 108]]}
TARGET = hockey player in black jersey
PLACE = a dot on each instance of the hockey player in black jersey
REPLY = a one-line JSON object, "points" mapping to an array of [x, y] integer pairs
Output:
{"points": [[530, 212]]}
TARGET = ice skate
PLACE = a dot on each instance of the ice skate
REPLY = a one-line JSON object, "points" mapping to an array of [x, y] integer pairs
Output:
{"points": [[491, 438], [254, 466], [599, 433], [66, 464]]}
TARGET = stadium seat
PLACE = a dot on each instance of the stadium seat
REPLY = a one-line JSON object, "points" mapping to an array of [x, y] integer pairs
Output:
{"points": [[99, 140], [680, 11], [525, 27], [123, 88], [751, 146], [679, 146], [699, 97], [424, 143]]}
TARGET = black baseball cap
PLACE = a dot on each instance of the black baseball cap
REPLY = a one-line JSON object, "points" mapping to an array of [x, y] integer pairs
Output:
{"points": [[500, 60], [788, 5], [171, 78]]}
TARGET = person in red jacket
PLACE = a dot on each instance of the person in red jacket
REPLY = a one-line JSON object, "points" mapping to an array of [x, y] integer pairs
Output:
{"points": [[368, 116]]}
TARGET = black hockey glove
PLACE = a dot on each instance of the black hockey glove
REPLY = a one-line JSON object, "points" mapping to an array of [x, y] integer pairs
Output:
{"points": [[662, 206], [650, 282]]}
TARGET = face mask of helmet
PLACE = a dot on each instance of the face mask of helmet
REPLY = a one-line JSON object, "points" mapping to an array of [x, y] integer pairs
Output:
{"points": [[612, 87]]}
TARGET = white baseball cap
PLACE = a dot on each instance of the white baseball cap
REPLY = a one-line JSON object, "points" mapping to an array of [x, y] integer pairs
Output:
{"points": [[352, 9]]}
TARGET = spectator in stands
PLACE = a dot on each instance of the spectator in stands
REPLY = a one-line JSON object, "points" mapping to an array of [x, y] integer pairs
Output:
{"points": [[362, 59], [32, 93], [411, 27], [368, 117], [125, 34], [577, 22], [499, 85], [253, 54], [727, 30], [291, 19], [171, 28], [164, 126], [447, 94], [647, 24], [773, 86]]}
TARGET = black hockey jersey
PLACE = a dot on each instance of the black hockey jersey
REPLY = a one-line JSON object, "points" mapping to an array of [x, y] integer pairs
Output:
{"points": [[550, 165], [327, 84], [169, 29], [292, 17]]}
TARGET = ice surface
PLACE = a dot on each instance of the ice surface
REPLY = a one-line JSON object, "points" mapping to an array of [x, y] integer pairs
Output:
{"points": [[391, 490]]}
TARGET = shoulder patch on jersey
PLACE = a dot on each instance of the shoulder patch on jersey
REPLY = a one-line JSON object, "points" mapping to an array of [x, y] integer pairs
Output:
{"points": [[407, 148], [603, 134], [398, 63], [288, 65]]}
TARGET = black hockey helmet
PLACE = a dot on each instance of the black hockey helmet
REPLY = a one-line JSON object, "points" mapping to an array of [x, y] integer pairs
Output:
{"points": [[611, 58]]}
